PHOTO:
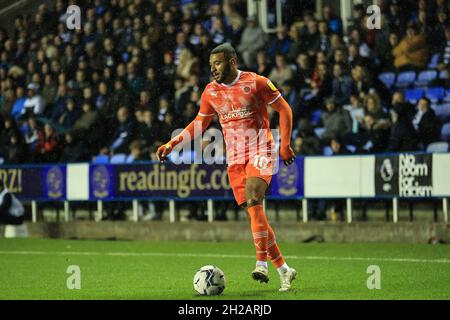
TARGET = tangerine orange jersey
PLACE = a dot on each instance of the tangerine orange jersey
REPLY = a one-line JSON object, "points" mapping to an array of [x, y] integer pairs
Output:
{"points": [[242, 110]]}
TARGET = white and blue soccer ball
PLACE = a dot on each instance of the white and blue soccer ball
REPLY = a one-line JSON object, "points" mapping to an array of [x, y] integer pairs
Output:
{"points": [[209, 281]]}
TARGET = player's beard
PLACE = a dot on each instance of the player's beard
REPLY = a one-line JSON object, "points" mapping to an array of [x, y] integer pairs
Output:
{"points": [[225, 73]]}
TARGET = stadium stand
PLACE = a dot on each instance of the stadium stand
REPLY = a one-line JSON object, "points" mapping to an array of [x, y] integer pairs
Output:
{"points": [[120, 58], [136, 70]]}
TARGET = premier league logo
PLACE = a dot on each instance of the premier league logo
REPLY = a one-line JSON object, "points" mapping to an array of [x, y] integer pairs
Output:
{"points": [[387, 173], [54, 182], [100, 182]]}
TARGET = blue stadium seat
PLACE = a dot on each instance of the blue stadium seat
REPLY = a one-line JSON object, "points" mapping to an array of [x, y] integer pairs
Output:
{"points": [[441, 146], [443, 74], [319, 131], [447, 95], [100, 159], [388, 78], [405, 79], [435, 94], [2, 160], [118, 158], [442, 111], [433, 61], [425, 77], [445, 132], [314, 118], [413, 95], [351, 148], [327, 151]]}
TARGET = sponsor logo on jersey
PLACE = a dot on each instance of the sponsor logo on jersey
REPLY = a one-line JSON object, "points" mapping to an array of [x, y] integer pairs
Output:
{"points": [[240, 113]]}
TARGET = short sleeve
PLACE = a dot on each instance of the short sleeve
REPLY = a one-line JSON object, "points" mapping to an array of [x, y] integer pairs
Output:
{"points": [[205, 106], [267, 90]]}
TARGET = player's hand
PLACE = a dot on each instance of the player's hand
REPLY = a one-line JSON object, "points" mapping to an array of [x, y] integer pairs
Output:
{"points": [[287, 155], [163, 152]]}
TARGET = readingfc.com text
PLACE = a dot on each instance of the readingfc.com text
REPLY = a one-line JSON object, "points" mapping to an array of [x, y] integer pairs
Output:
{"points": [[183, 181]]}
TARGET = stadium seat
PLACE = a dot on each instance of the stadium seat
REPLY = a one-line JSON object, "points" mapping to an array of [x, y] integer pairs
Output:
{"points": [[425, 77], [433, 61], [118, 158], [443, 74], [101, 159], [2, 160], [351, 148], [319, 131], [413, 95], [435, 94], [405, 79], [445, 132], [388, 78], [314, 118], [441, 146], [447, 95], [442, 111], [327, 151]]}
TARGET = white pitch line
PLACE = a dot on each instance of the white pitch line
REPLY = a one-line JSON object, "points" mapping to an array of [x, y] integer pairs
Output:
{"points": [[211, 255]]}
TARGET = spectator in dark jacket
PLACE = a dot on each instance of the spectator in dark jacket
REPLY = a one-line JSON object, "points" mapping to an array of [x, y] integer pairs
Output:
{"points": [[74, 151], [9, 128], [281, 44], [123, 134], [341, 85], [363, 83], [338, 147], [425, 123], [403, 137], [376, 134], [70, 115], [149, 129], [307, 142], [17, 149]]}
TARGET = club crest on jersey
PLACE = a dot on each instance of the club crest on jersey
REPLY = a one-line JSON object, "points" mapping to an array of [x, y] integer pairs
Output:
{"points": [[271, 86], [246, 89]]}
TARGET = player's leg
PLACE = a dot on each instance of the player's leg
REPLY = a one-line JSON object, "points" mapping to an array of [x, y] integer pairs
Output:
{"points": [[286, 273], [264, 236], [255, 188]]}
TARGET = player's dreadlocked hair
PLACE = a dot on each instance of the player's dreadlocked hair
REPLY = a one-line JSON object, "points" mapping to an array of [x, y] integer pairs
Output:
{"points": [[225, 48]]}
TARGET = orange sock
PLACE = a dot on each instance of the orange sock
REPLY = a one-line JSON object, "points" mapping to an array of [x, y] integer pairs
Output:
{"points": [[273, 252], [259, 226]]}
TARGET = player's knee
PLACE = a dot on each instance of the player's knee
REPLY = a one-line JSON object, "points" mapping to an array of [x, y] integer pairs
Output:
{"points": [[254, 201]]}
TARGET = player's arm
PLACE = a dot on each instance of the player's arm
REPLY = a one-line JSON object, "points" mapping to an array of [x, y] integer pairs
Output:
{"points": [[272, 96], [201, 121], [282, 107], [189, 133]]}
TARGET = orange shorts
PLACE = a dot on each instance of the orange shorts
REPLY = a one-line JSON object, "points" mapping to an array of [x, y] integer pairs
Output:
{"points": [[239, 173]]}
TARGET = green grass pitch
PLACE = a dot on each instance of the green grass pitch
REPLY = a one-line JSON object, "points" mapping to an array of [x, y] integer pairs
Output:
{"points": [[37, 269]]}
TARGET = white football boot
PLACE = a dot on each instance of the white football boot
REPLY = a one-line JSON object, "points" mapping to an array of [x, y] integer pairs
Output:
{"points": [[261, 274], [286, 279]]}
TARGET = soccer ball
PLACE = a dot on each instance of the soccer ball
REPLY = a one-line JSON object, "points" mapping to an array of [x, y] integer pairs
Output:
{"points": [[209, 281]]}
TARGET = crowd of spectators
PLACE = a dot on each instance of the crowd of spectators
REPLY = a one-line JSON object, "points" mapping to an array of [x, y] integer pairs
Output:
{"points": [[136, 70]]}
